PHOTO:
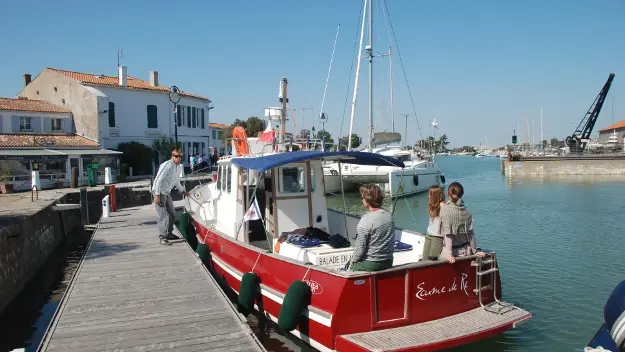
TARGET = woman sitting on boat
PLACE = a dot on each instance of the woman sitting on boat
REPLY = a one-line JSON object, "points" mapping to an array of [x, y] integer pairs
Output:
{"points": [[434, 239], [457, 226], [375, 241]]}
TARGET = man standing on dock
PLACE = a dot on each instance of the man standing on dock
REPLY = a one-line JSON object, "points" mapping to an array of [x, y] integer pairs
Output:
{"points": [[167, 177]]}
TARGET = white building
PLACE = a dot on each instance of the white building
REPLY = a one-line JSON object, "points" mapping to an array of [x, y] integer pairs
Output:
{"points": [[112, 110], [37, 135], [216, 130]]}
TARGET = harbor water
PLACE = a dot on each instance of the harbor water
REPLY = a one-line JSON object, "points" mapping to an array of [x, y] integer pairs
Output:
{"points": [[559, 244]]}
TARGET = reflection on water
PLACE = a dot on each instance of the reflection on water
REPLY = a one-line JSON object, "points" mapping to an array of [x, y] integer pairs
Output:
{"points": [[24, 322]]}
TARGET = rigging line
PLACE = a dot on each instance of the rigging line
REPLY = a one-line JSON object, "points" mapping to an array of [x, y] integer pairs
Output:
{"points": [[351, 69], [323, 100], [401, 61]]}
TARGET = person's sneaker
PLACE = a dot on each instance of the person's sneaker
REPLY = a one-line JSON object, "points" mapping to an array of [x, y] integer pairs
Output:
{"points": [[172, 237], [164, 241]]}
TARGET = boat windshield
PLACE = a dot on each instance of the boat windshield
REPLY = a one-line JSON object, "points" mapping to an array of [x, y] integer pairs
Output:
{"points": [[403, 157]]}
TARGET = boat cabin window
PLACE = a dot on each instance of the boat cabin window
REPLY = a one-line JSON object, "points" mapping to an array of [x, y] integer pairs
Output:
{"points": [[224, 181], [403, 157], [293, 179]]}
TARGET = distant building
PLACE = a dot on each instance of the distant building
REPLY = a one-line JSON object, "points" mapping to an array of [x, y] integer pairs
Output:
{"points": [[608, 133], [112, 110], [37, 135], [216, 131]]}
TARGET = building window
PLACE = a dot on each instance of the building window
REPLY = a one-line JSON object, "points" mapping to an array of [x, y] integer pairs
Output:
{"points": [[179, 115], [183, 113], [26, 124], [188, 116], [194, 120], [214, 134], [203, 148], [56, 125], [111, 115], [202, 120], [152, 116]]}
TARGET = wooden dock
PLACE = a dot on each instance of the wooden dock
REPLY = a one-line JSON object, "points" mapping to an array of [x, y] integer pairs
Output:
{"points": [[131, 293]]}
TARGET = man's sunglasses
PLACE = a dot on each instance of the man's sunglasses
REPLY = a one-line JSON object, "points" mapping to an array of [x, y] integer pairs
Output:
{"points": [[177, 155]]}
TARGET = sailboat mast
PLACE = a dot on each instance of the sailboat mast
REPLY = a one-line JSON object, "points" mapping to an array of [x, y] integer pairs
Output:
{"points": [[362, 35], [370, 52], [390, 60], [541, 128]]}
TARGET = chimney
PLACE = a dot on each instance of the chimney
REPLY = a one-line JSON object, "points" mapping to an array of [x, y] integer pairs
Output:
{"points": [[154, 78], [123, 76], [27, 79]]}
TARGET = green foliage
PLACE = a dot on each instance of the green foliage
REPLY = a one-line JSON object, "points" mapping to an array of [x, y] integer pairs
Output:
{"points": [[328, 136], [164, 145], [439, 145], [344, 141], [253, 126], [136, 155]]}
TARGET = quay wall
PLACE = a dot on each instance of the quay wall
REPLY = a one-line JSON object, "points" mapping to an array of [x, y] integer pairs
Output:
{"points": [[31, 231], [564, 166]]}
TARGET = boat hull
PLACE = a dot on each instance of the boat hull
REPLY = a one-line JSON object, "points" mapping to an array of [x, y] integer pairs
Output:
{"points": [[355, 303]]}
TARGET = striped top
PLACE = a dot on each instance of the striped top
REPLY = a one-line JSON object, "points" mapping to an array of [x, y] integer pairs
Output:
{"points": [[167, 177], [376, 237], [457, 227]]}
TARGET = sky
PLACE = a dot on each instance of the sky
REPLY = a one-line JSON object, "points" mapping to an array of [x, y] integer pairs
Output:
{"points": [[482, 68]]}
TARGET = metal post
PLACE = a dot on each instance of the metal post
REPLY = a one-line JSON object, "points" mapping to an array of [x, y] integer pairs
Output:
{"points": [[344, 204], [176, 123], [370, 77]]}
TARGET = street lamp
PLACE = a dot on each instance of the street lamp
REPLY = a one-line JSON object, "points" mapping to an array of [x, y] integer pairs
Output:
{"points": [[174, 97]]}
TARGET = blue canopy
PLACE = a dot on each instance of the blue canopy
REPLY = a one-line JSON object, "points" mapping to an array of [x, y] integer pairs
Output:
{"points": [[264, 163]]}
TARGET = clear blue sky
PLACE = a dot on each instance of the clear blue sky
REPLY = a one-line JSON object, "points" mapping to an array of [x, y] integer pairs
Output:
{"points": [[477, 66]]}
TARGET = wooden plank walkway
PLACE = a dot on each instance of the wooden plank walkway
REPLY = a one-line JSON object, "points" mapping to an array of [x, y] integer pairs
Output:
{"points": [[131, 293]]}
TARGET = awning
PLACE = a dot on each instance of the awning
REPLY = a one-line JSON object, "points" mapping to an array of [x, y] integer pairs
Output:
{"points": [[50, 154], [267, 162]]}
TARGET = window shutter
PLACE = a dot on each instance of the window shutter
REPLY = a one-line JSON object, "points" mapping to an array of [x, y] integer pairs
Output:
{"points": [[47, 125], [152, 116], [36, 124], [194, 117], [188, 116], [179, 115], [202, 110], [66, 125], [15, 123], [111, 114]]}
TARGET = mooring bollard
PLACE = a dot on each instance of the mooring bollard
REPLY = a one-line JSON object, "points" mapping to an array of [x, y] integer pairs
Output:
{"points": [[106, 207], [113, 195], [108, 176]]}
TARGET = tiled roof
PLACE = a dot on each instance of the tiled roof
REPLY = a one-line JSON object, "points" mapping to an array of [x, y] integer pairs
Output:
{"points": [[17, 140], [113, 81], [13, 104], [220, 126], [615, 126]]}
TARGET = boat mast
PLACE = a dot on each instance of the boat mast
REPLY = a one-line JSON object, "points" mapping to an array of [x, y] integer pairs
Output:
{"points": [[390, 60], [283, 99], [362, 34], [369, 50]]}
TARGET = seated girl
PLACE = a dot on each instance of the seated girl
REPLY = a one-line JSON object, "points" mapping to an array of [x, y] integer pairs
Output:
{"points": [[457, 226], [434, 239]]}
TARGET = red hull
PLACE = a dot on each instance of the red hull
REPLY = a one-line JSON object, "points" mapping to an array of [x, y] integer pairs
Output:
{"points": [[340, 305]]}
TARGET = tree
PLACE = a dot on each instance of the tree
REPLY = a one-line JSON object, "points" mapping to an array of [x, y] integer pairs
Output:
{"points": [[138, 156], [254, 125], [327, 135], [344, 141], [164, 145], [443, 142], [303, 133]]}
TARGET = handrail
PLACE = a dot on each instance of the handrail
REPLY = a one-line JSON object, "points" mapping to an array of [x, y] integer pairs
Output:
{"points": [[34, 187]]}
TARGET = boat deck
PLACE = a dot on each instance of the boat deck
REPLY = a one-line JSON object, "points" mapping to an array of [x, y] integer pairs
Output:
{"points": [[132, 293], [437, 334]]}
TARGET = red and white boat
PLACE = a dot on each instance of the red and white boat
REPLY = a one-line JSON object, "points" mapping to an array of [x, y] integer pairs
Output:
{"points": [[414, 306]]}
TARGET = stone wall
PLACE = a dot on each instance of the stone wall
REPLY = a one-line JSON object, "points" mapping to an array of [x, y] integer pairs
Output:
{"points": [[564, 167], [26, 242]]}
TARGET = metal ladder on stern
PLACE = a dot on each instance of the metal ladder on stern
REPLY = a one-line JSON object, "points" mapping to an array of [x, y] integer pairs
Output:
{"points": [[488, 266]]}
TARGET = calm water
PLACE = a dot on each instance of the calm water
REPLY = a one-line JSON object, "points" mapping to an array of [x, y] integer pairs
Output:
{"points": [[559, 246]]}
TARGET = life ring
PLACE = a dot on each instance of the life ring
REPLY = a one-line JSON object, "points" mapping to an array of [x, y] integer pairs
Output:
{"points": [[415, 180], [296, 300], [241, 145]]}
